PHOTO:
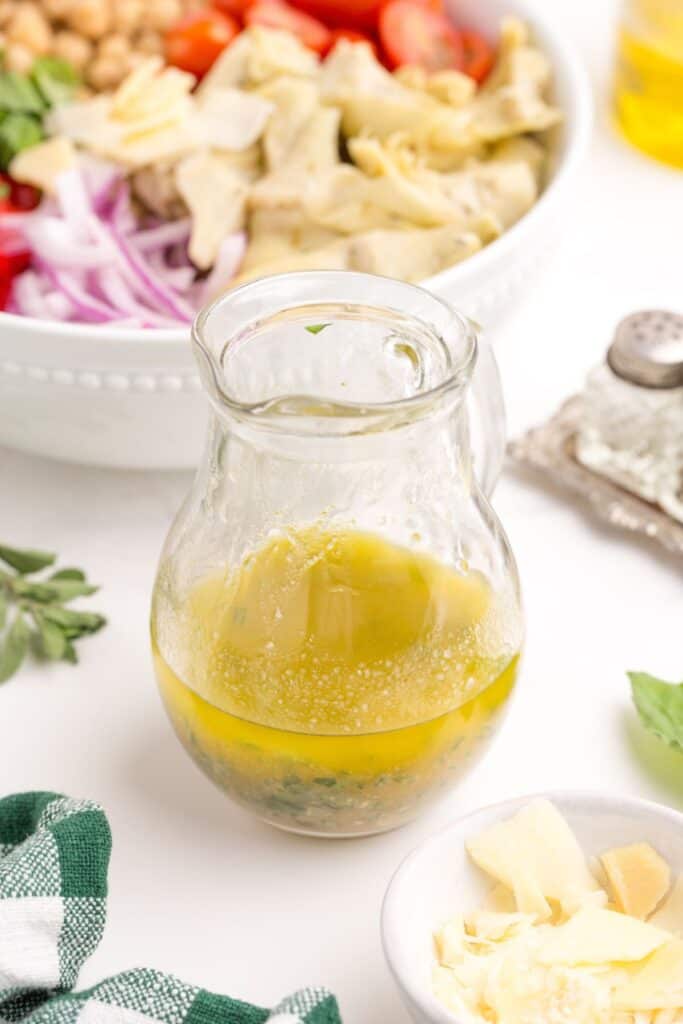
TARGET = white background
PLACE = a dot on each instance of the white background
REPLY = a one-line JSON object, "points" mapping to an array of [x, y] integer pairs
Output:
{"points": [[199, 888]]}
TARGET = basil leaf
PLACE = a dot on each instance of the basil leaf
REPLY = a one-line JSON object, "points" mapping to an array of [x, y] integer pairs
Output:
{"points": [[26, 561], [13, 650], [68, 574], [55, 79], [660, 706], [3, 608], [18, 94], [18, 132]]}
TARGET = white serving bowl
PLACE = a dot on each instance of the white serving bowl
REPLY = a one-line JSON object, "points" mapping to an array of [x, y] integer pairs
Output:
{"points": [[131, 398], [438, 880]]}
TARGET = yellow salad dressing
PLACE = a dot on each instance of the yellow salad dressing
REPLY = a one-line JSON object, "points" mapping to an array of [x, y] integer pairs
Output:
{"points": [[335, 680], [649, 82]]}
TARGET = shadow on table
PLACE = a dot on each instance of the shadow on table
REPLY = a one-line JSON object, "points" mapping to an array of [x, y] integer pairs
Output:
{"points": [[602, 531], [659, 762]]}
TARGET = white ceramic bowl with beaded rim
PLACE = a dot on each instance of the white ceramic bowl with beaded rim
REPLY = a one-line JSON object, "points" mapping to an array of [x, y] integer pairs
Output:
{"points": [[132, 398], [438, 880]]}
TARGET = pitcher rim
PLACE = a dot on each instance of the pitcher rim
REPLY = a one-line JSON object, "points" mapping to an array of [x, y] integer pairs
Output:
{"points": [[261, 412]]}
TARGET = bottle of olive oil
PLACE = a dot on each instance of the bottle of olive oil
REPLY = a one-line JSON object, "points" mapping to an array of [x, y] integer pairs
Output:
{"points": [[649, 77]]}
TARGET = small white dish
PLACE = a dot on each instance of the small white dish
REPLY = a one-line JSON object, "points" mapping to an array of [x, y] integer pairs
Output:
{"points": [[438, 880]]}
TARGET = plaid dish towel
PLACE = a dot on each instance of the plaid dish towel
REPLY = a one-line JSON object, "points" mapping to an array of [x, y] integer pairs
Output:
{"points": [[54, 854]]}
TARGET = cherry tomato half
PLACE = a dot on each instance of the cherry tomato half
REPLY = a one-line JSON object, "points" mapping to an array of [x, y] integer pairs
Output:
{"points": [[197, 40], [361, 14], [278, 14], [411, 33], [16, 197], [13, 263], [353, 36], [5, 289], [234, 8], [478, 55]]}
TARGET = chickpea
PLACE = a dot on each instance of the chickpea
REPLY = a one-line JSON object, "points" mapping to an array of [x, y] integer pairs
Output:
{"points": [[116, 46], [91, 18], [160, 15], [6, 11], [106, 73], [73, 48], [57, 10], [149, 43], [128, 15], [29, 27], [19, 58]]}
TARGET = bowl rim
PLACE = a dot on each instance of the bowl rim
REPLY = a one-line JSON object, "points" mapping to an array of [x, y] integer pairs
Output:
{"points": [[579, 109], [593, 801]]}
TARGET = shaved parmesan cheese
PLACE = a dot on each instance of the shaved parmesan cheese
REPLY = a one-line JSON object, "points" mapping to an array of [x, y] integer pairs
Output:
{"points": [[537, 856], [596, 936], [484, 924], [670, 914], [569, 960], [42, 164], [450, 942], [501, 900], [638, 877], [657, 984]]}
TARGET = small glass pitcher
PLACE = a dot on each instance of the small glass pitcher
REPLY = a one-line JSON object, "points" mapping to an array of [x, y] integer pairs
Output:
{"points": [[336, 621]]}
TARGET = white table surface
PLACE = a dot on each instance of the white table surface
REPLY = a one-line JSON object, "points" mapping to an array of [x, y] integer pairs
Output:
{"points": [[201, 889]]}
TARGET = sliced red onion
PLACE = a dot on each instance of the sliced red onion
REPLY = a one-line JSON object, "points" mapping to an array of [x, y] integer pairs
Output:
{"points": [[53, 240], [153, 239], [74, 202], [86, 307], [115, 291], [28, 298], [146, 283]]}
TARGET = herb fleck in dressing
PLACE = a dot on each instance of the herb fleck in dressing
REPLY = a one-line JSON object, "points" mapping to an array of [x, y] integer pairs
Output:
{"points": [[336, 681]]}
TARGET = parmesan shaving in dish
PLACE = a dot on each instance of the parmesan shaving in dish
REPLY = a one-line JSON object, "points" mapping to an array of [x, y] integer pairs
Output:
{"points": [[555, 946]]}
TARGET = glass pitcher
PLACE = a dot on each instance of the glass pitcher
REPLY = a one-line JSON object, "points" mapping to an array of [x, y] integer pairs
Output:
{"points": [[336, 621]]}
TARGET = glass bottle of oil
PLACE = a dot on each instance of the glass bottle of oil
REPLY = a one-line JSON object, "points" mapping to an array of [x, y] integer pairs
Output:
{"points": [[649, 77]]}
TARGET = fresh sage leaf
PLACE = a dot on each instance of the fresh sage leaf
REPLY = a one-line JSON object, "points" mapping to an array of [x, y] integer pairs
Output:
{"points": [[52, 639], [54, 628], [25, 560], [34, 591], [76, 622], [67, 590], [14, 647], [660, 706], [68, 574], [70, 653]]}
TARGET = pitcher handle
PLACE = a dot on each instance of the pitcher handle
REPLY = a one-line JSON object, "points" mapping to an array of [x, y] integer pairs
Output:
{"points": [[487, 418]]}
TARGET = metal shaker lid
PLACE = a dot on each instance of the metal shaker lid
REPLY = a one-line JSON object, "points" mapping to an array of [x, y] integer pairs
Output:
{"points": [[648, 349]]}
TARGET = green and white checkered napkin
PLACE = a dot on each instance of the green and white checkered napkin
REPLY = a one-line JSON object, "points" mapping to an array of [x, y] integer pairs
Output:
{"points": [[54, 854]]}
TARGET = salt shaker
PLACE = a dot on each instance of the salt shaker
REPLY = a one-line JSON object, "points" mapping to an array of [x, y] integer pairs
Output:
{"points": [[632, 428]]}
